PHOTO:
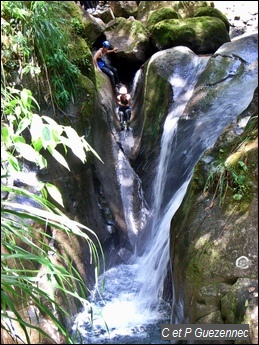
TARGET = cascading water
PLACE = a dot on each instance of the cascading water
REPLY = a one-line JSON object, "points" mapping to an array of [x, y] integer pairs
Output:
{"points": [[153, 263], [131, 310], [131, 304]]}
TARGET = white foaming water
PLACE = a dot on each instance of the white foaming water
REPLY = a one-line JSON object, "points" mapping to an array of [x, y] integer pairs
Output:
{"points": [[131, 304], [153, 264], [131, 308], [117, 312], [137, 79], [170, 128]]}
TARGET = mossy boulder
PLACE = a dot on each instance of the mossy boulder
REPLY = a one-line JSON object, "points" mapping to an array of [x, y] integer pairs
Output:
{"points": [[208, 302], [161, 14], [72, 9], [145, 7], [240, 305], [156, 100], [153, 104], [236, 300], [212, 12], [130, 37], [81, 56], [92, 28], [203, 35], [124, 8], [80, 22], [187, 8], [86, 103]]}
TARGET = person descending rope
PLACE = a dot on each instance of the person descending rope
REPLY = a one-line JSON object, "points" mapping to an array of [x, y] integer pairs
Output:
{"points": [[124, 111], [103, 66]]}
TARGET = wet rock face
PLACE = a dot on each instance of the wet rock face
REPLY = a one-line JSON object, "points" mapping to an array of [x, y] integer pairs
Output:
{"points": [[212, 236], [213, 246], [214, 254]]}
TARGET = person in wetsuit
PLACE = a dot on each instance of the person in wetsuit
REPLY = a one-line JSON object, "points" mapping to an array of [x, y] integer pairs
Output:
{"points": [[102, 65], [124, 102]]}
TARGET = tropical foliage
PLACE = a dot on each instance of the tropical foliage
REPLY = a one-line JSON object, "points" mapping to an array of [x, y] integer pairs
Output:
{"points": [[30, 261], [34, 43], [229, 174], [26, 250]]}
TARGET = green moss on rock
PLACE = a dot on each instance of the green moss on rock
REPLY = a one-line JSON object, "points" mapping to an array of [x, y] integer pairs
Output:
{"points": [[123, 28], [235, 302], [84, 106], [201, 34], [161, 14], [212, 12], [81, 56], [72, 9], [155, 103]]}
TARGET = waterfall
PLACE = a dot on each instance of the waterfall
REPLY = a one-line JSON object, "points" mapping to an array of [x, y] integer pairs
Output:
{"points": [[132, 301], [153, 263], [177, 160], [131, 305], [136, 81]]}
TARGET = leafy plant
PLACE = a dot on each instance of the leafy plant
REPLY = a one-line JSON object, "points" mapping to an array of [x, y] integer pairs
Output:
{"points": [[44, 133], [35, 43], [21, 279], [26, 252], [77, 26], [228, 177], [33, 36]]}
